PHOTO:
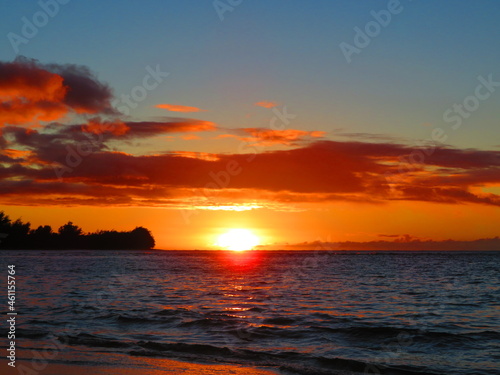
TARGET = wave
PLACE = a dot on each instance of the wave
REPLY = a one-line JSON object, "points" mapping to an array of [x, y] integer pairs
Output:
{"points": [[124, 318], [290, 361], [27, 333], [93, 341], [343, 330], [434, 337], [294, 362], [280, 321]]}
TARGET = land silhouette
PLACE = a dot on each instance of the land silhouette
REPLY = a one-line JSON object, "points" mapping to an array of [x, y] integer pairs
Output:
{"points": [[19, 235]]}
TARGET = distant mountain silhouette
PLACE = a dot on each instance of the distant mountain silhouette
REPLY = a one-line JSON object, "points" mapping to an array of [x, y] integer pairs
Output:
{"points": [[19, 235]]}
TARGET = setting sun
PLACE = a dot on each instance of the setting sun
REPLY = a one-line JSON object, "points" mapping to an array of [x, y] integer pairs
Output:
{"points": [[238, 240]]}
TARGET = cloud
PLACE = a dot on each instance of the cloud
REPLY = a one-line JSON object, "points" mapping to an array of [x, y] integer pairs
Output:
{"points": [[268, 137], [85, 93], [31, 92], [178, 108], [172, 126], [320, 172], [77, 162], [55, 142], [288, 136], [399, 237], [118, 129], [266, 104], [368, 137], [190, 137]]}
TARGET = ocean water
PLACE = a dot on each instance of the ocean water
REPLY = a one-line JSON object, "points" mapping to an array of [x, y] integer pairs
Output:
{"points": [[300, 312]]}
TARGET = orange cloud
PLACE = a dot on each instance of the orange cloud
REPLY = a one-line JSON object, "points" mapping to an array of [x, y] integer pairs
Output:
{"points": [[178, 108], [320, 172], [26, 112], [142, 129], [139, 128], [190, 137], [95, 126], [31, 92], [266, 104], [14, 154], [196, 155], [268, 137], [288, 136], [20, 157]]}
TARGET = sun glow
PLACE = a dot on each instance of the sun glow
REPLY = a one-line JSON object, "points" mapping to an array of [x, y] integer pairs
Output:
{"points": [[238, 240]]}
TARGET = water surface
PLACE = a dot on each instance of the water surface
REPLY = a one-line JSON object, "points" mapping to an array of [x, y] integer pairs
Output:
{"points": [[307, 312]]}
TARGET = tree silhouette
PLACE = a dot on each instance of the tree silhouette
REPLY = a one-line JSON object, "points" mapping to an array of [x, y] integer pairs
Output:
{"points": [[142, 237], [69, 236], [4, 222], [4, 227], [43, 237], [18, 235], [70, 230]]}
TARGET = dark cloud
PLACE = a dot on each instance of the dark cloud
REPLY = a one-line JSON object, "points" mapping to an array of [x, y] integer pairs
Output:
{"points": [[86, 94], [33, 92], [323, 171], [52, 143], [119, 130]]}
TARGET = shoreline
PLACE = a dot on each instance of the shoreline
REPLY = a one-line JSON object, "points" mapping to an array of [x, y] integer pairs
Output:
{"points": [[335, 251], [126, 365]]}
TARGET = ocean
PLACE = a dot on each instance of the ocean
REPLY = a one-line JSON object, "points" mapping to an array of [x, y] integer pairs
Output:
{"points": [[300, 312]]}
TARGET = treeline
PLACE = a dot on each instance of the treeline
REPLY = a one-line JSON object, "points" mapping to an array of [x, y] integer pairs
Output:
{"points": [[19, 235]]}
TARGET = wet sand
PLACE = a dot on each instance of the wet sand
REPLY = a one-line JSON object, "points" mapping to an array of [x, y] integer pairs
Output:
{"points": [[138, 366]]}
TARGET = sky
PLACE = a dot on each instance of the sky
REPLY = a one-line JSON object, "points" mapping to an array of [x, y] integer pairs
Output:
{"points": [[327, 121]]}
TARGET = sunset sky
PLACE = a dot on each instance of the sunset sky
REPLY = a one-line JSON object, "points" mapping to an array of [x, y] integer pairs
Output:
{"points": [[285, 118]]}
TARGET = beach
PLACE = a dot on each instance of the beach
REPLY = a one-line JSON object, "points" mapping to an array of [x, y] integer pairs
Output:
{"points": [[126, 365]]}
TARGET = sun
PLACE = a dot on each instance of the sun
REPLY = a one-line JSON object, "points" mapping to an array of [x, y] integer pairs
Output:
{"points": [[238, 240]]}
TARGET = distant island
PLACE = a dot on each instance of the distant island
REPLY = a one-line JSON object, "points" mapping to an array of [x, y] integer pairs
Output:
{"points": [[405, 243], [18, 235]]}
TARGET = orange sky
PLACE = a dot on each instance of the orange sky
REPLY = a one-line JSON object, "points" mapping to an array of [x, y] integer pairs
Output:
{"points": [[340, 222], [68, 154]]}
